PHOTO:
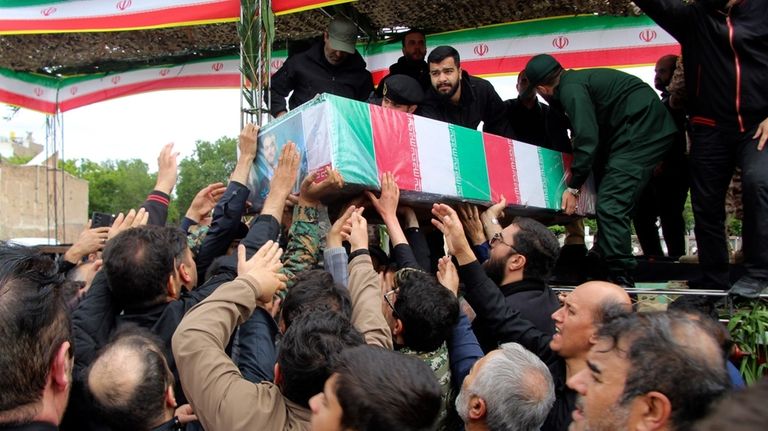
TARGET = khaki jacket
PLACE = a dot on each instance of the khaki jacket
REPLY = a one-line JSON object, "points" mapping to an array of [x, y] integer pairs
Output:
{"points": [[222, 399]]}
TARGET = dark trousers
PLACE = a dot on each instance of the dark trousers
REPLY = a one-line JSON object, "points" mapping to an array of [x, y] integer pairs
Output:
{"points": [[664, 198], [625, 176], [714, 154]]}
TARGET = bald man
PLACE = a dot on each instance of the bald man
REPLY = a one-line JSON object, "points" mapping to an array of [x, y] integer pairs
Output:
{"points": [[576, 321], [132, 386]]}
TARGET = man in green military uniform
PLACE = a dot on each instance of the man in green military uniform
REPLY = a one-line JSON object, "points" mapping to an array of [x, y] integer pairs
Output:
{"points": [[620, 132]]}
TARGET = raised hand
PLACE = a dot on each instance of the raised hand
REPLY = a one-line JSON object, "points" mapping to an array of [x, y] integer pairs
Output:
{"points": [[447, 274], [447, 221], [167, 167], [470, 218], [313, 191], [132, 219], [247, 141], [89, 241], [205, 200], [358, 232], [341, 226], [386, 204], [263, 266]]}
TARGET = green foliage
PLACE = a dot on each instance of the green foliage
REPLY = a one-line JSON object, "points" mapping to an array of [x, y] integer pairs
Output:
{"points": [[17, 160], [210, 163], [748, 328], [113, 185]]}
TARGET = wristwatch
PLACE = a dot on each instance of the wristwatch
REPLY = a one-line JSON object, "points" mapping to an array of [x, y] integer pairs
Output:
{"points": [[573, 191]]}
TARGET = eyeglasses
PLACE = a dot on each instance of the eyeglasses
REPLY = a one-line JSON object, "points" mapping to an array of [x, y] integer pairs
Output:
{"points": [[392, 292], [399, 275], [497, 237]]}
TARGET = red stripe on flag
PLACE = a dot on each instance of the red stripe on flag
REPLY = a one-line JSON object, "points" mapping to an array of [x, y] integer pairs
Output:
{"points": [[27, 102], [502, 172], [157, 18], [394, 140], [199, 81], [573, 59]]}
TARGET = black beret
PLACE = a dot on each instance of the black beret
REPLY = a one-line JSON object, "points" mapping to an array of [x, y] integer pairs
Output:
{"points": [[403, 89]]}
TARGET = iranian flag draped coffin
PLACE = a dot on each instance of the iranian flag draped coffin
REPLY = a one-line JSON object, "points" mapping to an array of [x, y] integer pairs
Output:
{"points": [[431, 159]]}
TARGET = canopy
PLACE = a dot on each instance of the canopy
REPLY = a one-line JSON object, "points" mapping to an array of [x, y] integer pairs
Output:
{"points": [[577, 42]]}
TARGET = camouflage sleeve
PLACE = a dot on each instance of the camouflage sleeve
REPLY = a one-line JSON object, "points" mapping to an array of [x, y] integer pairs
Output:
{"points": [[303, 249]]}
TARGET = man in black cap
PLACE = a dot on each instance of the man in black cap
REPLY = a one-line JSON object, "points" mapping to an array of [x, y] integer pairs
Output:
{"points": [[332, 66], [412, 62], [402, 93], [620, 132], [458, 98]]}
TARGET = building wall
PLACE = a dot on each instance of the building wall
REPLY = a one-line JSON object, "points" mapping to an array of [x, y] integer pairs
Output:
{"points": [[27, 203]]}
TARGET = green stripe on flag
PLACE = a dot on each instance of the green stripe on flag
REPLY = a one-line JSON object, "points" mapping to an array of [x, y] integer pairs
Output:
{"points": [[538, 27], [352, 138], [469, 163], [552, 171], [30, 78]]}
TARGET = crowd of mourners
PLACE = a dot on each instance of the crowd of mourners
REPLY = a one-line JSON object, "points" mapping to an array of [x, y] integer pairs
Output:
{"points": [[373, 315]]}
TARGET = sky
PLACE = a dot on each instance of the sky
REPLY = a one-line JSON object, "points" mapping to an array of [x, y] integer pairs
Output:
{"points": [[138, 126]]}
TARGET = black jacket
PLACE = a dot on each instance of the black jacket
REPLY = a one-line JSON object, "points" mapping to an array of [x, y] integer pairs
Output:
{"points": [[540, 125], [507, 325], [309, 74], [418, 70], [478, 102], [725, 59], [536, 303]]}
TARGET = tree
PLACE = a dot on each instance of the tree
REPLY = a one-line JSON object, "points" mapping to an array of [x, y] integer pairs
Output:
{"points": [[114, 185], [210, 163]]}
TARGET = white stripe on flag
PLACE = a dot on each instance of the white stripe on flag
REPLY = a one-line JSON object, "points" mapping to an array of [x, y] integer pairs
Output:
{"points": [[435, 157], [529, 175]]}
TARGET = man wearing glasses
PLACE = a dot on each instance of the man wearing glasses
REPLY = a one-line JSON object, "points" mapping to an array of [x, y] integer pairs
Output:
{"points": [[521, 259]]}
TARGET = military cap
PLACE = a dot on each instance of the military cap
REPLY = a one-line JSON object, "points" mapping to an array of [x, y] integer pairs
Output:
{"points": [[538, 68], [403, 89]]}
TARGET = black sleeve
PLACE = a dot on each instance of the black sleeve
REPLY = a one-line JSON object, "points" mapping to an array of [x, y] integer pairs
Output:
{"points": [[92, 321], [419, 246], [495, 118], [157, 207], [404, 257], [674, 16], [263, 229], [504, 323], [365, 90], [224, 227], [281, 86]]}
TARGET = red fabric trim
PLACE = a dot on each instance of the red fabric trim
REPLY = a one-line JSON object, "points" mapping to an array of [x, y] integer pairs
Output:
{"points": [[158, 18], [703, 121], [16, 99], [228, 80], [738, 72], [158, 198]]}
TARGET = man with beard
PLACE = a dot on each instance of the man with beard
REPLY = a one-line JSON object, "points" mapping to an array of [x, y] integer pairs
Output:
{"points": [[412, 62], [332, 66], [521, 260], [508, 389], [458, 98], [725, 58], [649, 371], [620, 132], [576, 321]]}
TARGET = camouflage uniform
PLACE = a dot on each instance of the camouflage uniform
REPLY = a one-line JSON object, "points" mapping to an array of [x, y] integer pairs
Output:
{"points": [[438, 362], [303, 249]]}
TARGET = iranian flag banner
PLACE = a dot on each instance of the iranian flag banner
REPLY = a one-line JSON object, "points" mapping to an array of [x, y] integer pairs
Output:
{"points": [[66, 16], [430, 159]]}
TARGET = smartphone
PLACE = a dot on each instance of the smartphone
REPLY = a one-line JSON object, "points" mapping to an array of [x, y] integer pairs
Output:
{"points": [[101, 219]]}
